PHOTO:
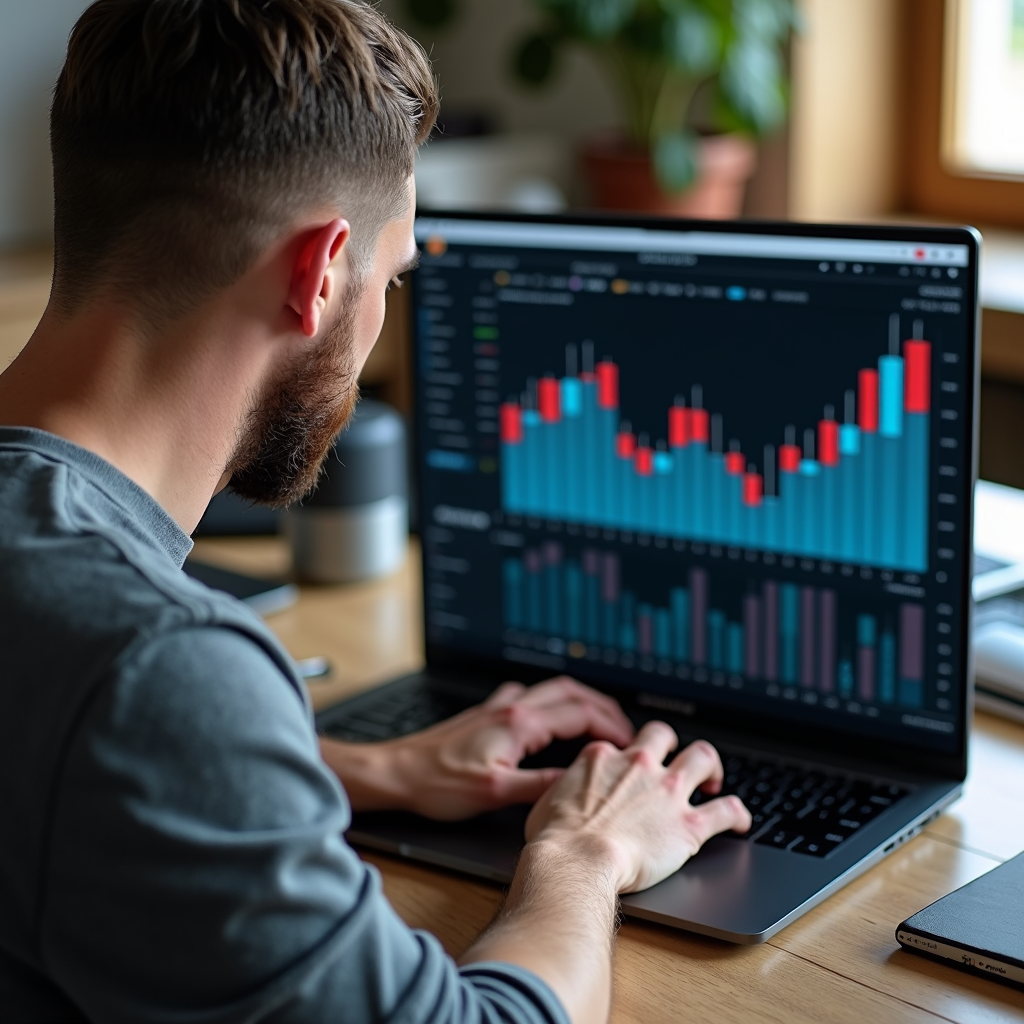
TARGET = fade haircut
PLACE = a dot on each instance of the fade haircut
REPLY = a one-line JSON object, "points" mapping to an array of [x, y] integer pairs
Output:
{"points": [[188, 134]]}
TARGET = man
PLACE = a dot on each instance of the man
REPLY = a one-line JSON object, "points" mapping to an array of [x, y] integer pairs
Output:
{"points": [[233, 195]]}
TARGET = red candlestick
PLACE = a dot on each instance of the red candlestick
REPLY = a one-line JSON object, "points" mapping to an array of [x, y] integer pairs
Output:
{"points": [[678, 426], [548, 400], [625, 445], [734, 463], [828, 443], [917, 389], [699, 425], [867, 401], [644, 461], [789, 458], [753, 489], [511, 421], [607, 385]]}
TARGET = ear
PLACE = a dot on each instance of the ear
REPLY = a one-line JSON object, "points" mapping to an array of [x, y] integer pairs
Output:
{"points": [[313, 277]]}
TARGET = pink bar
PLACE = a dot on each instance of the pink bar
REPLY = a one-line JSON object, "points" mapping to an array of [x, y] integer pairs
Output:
{"points": [[911, 641], [827, 646], [866, 673], [807, 637], [771, 631]]}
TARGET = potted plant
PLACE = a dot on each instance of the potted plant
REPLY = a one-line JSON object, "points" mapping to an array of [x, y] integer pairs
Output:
{"points": [[698, 79]]}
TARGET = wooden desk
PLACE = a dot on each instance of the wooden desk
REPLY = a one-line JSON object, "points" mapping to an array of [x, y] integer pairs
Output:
{"points": [[838, 963]]}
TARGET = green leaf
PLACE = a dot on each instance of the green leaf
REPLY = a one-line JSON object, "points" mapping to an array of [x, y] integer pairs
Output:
{"points": [[753, 83], [692, 41], [432, 13], [675, 160], [601, 19], [534, 61]]}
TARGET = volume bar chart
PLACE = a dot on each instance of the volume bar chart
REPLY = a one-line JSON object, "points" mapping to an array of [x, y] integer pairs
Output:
{"points": [[794, 635], [854, 492]]}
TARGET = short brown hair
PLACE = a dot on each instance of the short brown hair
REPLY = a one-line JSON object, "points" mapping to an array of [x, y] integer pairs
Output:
{"points": [[186, 133]]}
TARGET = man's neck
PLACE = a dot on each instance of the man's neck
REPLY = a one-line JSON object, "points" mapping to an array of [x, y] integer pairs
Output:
{"points": [[164, 409]]}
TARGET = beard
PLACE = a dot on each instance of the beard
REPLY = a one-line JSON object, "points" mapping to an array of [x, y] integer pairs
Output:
{"points": [[290, 429]]}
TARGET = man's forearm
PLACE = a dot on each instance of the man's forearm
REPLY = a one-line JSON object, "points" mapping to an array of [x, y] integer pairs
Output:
{"points": [[558, 921]]}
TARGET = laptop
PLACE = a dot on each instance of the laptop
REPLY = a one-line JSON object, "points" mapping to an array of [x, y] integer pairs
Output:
{"points": [[724, 473]]}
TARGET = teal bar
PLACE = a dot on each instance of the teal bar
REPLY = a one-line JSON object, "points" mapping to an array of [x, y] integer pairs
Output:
{"points": [[887, 668], [716, 497], [850, 463], [536, 476], [628, 494], [716, 639], [790, 500], [662, 633], [591, 449], [698, 503], [571, 397], [770, 510], [830, 511], [733, 533], [789, 630], [845, 678], [735, 648], [915, 500], [513, 577], [682, 492], [869, 549], [512, 477], [680, 600], [890, 396], [573, 440], [810, 510], [911, 693], [664, 474], [643, 491], [573, 601], [555, 471], [608, 465], [890, 497]]}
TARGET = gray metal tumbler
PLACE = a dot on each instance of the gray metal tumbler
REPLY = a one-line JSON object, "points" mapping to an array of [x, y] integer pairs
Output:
{"points": [[355, 525]]}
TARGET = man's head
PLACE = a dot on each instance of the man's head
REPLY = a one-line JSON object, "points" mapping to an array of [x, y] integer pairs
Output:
{"points": [[189, 136]]}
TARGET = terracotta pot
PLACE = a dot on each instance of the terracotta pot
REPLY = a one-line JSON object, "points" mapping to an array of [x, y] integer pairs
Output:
{"points": [[622, 178]]}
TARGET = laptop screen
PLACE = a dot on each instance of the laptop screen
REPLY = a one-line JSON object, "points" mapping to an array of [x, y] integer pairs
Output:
{"points": [[722, 465]]}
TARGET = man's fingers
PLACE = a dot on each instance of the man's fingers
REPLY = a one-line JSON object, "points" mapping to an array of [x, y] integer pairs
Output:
{"points": [[697, 765], [616, 727], [521, 786], [535, 727], [719, 815], [507, 693], [657, 738]]}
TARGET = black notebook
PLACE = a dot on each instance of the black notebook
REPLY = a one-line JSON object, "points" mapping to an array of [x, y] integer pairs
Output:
{"points": [[979, 928]]}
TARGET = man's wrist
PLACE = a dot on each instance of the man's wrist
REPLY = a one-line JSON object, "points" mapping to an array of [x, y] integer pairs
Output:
{"points": [[595, 858], [369, 772]]}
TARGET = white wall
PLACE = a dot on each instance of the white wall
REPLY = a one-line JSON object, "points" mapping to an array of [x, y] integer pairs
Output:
{"points": [[33, 38]]}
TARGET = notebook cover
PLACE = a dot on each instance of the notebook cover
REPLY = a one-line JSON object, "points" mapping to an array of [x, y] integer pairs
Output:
{"points": [[979, 927]]}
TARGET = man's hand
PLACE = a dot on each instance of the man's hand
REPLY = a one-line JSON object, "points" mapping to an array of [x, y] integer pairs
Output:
{"points": [[616, 821], [470, 763], [626, 803]]}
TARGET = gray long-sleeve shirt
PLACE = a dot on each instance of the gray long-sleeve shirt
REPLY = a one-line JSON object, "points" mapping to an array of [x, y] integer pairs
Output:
{"points": [[170, 841]]}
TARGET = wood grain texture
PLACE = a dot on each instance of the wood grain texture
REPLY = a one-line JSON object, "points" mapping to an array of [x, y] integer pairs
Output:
{"points": [[840, 963]]}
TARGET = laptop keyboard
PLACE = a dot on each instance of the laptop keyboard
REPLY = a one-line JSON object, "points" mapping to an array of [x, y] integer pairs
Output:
{"points": [[793, 807]]}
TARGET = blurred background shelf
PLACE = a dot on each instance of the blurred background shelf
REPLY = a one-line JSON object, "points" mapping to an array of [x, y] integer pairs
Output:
{"points": [[862, 142]]}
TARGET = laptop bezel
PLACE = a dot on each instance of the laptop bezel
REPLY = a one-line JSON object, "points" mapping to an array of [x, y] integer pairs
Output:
{"points": [[824, 742]]}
